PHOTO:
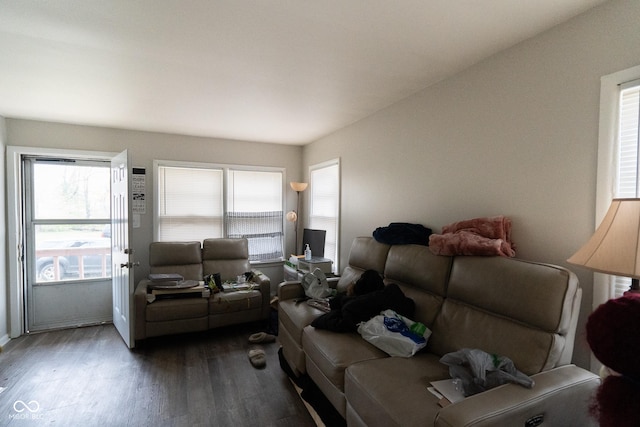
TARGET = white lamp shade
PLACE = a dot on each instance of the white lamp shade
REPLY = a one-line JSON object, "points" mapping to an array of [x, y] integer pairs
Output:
{"points": [[614, 248]]}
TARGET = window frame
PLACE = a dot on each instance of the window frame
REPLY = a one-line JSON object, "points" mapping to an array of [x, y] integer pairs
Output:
{"points": [[312, 169], [13, 159], [604, 285], [157, 221], [34, 220], [226, 168]]}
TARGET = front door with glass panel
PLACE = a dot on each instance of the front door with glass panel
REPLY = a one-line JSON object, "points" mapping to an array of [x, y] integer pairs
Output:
{"points": [[67, 232]]}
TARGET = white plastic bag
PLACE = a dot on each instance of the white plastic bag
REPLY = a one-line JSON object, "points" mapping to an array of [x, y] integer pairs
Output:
{"points": [[479, 371], [395, 334], [316, 286]]}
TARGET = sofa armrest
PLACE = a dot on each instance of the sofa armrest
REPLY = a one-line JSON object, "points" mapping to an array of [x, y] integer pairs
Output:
{"points": [[291, 289], [560, 397], [264, 282], [333, 281], [140, 304], [259, 277]]}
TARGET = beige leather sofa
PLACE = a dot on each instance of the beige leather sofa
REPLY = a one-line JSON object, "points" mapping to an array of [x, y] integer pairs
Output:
{"points": [[230, 258], [523, 310]]}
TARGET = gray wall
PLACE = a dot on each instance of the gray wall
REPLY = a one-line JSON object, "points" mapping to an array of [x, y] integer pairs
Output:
{"points": [[516, 135]]}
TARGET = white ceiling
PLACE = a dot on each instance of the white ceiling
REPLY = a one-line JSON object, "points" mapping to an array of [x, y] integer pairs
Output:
{"points": [[281, 71]]}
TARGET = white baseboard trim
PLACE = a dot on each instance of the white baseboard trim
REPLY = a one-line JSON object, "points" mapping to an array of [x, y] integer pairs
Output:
{"points": [[4, 340]]}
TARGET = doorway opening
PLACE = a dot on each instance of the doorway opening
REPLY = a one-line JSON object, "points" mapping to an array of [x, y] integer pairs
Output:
{"points": [[67, 242]]}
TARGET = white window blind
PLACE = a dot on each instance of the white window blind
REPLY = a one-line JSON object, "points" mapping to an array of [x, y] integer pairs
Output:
{"points": [[627, 182], [190, 203], [325, 205], [191, 206], [628, 146]]}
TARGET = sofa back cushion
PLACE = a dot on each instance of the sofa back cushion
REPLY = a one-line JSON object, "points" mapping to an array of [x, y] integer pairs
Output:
{"points": [[421, 275], [229, 257], [366, 254], [183, 258], [523, 310]]}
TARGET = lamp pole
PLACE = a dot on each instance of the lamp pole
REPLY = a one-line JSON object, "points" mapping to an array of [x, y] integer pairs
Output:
{"points": [[298, 187]]}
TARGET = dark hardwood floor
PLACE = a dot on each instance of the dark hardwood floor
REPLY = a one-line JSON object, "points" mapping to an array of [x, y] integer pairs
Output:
{"points": [[87, 377]]}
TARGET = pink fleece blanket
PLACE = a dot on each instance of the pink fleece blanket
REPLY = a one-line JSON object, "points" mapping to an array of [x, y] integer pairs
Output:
{"points": [[478, 236]]}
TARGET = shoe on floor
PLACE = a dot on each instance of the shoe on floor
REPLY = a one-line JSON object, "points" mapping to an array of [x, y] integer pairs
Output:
{"points": [[261, 337], [257, 358]]}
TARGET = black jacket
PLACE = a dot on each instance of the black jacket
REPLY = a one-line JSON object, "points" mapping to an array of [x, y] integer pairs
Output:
{"points": [[347, 311]]}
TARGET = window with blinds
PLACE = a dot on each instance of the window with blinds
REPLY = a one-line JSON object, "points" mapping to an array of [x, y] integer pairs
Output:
{"points": [[190, 203], [628, 137], [254, 211], [325, 205], [192, 206]]}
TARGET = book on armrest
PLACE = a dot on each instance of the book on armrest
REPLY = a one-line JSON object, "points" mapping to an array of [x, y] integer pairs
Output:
{"points": [[196, 291], [191, 288], [447, 391]]}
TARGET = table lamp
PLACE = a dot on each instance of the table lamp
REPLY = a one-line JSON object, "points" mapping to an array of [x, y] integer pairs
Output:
{"points": [[614, 248]]}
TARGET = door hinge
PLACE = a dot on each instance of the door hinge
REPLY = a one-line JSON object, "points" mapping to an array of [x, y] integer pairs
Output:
{"points": [[130, 265]]}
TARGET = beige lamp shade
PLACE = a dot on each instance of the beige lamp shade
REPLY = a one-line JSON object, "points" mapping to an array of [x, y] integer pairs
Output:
{"points": [[298, 186], [292, 216], [615, 246]]}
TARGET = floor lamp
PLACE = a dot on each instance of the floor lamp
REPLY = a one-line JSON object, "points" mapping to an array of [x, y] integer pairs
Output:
{"points": [[292, 216]]}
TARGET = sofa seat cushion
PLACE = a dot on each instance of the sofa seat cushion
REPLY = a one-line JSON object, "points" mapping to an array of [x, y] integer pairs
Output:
{"points": [[366, 254], [184, 258], [333, 352], [393, 391], [226, 302], [422, 276], [294, 315], [176, 309], [227, 257], [461, 326], [514, 308]]}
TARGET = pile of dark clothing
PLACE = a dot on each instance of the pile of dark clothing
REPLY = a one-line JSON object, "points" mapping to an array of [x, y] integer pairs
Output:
{"points": [[366, 298], [403, 233]]}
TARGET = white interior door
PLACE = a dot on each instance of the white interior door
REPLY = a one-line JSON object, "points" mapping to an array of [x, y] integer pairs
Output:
{"points": [[121, 254]]}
